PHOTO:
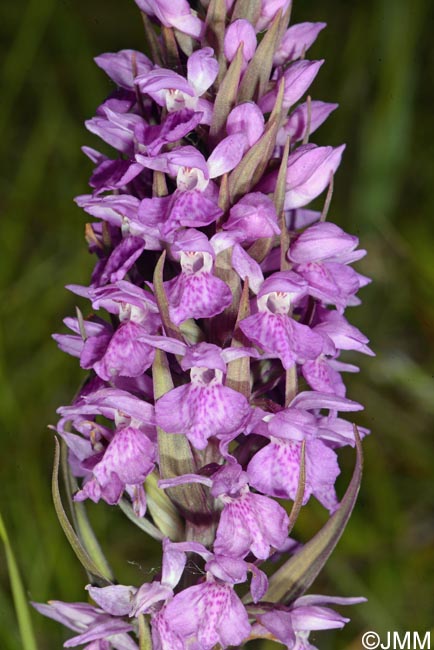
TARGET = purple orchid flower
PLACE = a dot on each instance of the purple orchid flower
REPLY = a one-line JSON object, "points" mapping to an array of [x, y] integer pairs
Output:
{"points": [[173, 13], [205, 407], [123, 66], [249, 521], [273, 329], [97, 629], [173, 91], [296, 41], [275, 469], [240, 32], [196, 292], [269, 9], [304, 121], [292, 625], [216, 290], [210, 612], [297, 79]]}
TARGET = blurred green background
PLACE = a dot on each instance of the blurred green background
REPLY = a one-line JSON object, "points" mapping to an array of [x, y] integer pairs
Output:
{"points": [[379, 61]]}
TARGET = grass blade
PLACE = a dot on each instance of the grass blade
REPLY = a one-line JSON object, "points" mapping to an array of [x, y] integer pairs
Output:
{"points": [[18, 593]]}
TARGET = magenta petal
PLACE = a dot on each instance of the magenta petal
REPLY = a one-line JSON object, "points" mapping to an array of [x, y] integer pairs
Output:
{"points": [[175, 126], [110, 493], [125, 354], [310, 400], [100, 630], [226, 155], [173, 13], [191, 209], [70, 344], [120, 138], [160, 79], [343, 335], [240, 31], [121, 400], [76, 616], [122, 259], [286, 281], [147, 595], [313, 617], [296, 41], [298, 122], [211, 611], [130, 456], [322, 377], [203, 355], [330, 282], [279, 623], [110, 208], [298, 77], [247, 267], [186, 156], [292, 424], [309, 171], [269, 9], [200, 412], [274, 470], [123, 66], [200, 295], [321, 241], [322, 470], [259, 583], [202, 69], [254, 216], [283, 337], [114, 174], [94, 349], [246, 118], [253, 523], [114, 599]]}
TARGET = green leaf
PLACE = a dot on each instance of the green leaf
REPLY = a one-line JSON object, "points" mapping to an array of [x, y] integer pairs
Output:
{"points": [[279, 201], [159, 185], [140, 522], [170, 328], [260, 248], [222, 325], [226, 97], [215, 25], [162, 510], [248, 9], [185, 42], [298, 501], [297, 574], [280, 189], [70, 533], [257, 75], [82, 524], [224, 199], [20, 601], [172, 59], [151, 39], [238, 373], [191, 331], [145, 641]]}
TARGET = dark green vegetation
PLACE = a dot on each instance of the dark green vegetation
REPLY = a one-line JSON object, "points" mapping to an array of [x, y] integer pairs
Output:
{"points": [[379, 60]]}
